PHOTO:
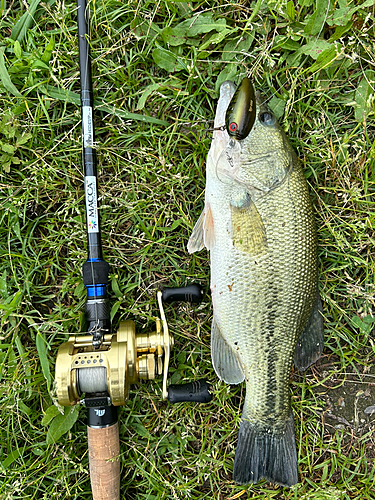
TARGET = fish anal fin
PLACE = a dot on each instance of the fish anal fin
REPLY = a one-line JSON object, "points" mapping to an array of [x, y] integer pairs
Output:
{"points": [[266, 453], [224, 359], [248, 231], [203, 234], [310, 345]]}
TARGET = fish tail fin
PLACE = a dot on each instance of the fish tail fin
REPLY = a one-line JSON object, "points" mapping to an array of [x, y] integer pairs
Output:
{"points": [[266, 454]]}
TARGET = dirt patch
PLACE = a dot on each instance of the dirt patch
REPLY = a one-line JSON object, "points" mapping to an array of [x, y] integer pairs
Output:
{"points": [[349, 397]]}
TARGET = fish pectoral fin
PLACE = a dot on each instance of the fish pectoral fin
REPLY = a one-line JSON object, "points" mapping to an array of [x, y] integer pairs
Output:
{"points": [[226, 363], [310, 345], [248, 231], [203, 234]]}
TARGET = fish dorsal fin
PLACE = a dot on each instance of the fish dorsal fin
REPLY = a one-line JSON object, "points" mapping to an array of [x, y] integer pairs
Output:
{"points": [[310, 345], [248, 231], [226, 363], [203, 234]]}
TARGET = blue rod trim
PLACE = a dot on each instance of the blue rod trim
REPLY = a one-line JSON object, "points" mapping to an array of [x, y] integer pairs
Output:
{"points": [[96, 291]]}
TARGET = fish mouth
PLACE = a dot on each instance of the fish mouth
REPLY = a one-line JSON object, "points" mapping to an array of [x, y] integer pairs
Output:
{"points": [[227, 90]]}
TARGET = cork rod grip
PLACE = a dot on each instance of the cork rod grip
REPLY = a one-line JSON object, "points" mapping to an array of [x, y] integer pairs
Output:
{"points": [[104, 458]]}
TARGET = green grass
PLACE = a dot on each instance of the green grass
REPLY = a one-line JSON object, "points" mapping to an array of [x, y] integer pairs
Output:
{"points": [[314, 62]]}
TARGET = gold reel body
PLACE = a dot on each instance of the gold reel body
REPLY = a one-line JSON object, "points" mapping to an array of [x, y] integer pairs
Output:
{"points": [[123, 358]]}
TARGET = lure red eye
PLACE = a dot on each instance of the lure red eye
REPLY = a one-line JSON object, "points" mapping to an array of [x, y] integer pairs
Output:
{"points": [[233, 127]]}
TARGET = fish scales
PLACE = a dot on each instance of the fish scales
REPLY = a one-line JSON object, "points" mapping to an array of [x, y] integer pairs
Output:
{"points": [[257, 300], [260, 298], [258, 226]]}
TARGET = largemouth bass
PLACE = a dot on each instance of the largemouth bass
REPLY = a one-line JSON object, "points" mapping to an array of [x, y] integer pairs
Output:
{"points": [[258, 225]]}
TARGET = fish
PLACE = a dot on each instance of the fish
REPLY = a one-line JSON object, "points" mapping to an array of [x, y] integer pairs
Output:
{"points": [[258, 226]]}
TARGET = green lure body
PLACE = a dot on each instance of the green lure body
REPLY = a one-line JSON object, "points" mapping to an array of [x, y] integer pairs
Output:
{"points": [[241, 113]]}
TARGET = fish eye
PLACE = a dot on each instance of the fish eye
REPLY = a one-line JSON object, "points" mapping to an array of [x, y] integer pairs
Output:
{"points": [[267, 118], [233, 127]]}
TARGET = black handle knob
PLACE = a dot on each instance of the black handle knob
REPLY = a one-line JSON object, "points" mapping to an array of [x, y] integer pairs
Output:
{"points": [[192, 293], [198, 392]]}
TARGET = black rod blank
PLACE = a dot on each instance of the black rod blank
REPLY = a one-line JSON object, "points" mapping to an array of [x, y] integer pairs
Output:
{"points": [[88, 135], [95, 270]]}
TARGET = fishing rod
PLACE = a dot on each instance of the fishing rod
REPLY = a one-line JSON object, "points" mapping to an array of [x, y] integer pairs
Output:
{"points": [[96, 368]]}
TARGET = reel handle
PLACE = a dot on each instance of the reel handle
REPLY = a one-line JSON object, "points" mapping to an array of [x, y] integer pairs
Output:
{"points": [[191, 293], [199, 390]]}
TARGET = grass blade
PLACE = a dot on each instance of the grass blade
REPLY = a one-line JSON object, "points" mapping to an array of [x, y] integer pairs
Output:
{"points": [[61, 424], [25, 22], [74, 98], [5, 78], [12, 457], [42, 348]]}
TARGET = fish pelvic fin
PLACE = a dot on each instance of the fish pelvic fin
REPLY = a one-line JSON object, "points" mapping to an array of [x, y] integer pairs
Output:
{"points": [[203, 234], [266, 453], [310, 345], [224, 359]]}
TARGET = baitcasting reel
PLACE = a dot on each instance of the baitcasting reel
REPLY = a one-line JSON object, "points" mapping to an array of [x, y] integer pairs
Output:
{"points": [[100, 377]]}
